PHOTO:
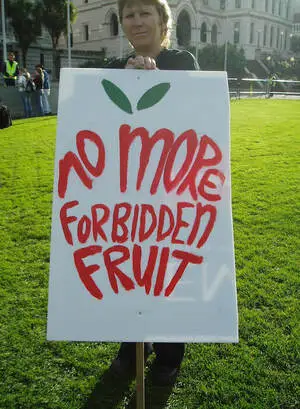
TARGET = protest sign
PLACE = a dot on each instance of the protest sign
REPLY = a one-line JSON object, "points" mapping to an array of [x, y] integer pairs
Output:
{"points": [[142, 241]]}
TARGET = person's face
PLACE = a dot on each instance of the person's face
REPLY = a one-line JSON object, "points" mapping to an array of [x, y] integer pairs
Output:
{"points": [[142, 26], [11, 57]]}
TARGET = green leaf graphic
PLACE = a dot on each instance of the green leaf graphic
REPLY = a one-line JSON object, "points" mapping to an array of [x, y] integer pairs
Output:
{"points": [[153, 95], [117, 96]]}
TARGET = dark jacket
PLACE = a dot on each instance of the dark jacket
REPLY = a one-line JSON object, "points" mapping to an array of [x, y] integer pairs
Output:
{"points": [[46, 80], [168, 59], [38, 81]]}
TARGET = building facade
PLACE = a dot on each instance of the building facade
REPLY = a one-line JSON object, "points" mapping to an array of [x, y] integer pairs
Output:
{"points": [[260, 27]]}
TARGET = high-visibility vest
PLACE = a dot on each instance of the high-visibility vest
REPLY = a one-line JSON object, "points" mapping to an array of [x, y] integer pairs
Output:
{"points": [[11, 69]]}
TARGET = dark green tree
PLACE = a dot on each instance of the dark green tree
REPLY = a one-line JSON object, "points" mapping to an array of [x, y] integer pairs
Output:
{"points": [[285, 68], [236, 61], [25, 23], [295, 44], [212, 57], [54, 18]]}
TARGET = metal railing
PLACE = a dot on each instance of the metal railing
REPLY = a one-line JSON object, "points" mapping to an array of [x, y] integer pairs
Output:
{"points": [[263, 87]]}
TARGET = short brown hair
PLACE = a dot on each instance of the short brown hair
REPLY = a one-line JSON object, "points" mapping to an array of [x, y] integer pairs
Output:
{"points": [[163, 10]]}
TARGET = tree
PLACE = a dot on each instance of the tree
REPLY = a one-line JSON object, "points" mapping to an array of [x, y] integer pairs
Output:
{"points": [[285, 68], [54, 18], [236, 60], [25, 23], [295, 44], [212, 57]]}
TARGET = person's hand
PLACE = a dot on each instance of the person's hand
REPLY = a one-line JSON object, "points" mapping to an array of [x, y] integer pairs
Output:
{"points": [[141, 63]]}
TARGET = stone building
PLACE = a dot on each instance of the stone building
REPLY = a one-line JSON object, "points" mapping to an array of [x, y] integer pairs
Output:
{"points": [[258, 26]]}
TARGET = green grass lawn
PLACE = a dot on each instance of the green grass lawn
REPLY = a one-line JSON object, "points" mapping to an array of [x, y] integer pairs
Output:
{"points": [[260, 372]]}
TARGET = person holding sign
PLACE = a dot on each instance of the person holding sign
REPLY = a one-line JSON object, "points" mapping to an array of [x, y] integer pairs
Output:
{"points": [[147, 25]]}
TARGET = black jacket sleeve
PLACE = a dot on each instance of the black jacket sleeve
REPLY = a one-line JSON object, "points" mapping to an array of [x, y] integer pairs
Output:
{"points": [[189, 62], [181, 60]]}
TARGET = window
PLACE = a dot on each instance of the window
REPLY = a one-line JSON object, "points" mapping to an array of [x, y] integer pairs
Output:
{"points": [[85, 1], [236, 33], [237, 4], [277, 37], [265, 35], [251, 33], [183, 29], [266, 6], [222, 4], [205, 2], [273, 6], [114, 25], [253, 4], [272, 37], [214, 34], [203, 34], [86, 32]]}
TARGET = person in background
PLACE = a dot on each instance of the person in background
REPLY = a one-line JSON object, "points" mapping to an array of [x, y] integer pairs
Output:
{"points": [[39, 83], [147, 25], [272, 85], [46, 92], [238, 87], [26, 87], [10, 70]]}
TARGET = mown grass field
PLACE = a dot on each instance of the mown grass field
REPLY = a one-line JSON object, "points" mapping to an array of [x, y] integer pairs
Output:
{"points": [[262, 371]]}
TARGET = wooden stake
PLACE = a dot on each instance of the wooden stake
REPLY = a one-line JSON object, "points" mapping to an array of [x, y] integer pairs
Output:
{"points": [[140, 376]]}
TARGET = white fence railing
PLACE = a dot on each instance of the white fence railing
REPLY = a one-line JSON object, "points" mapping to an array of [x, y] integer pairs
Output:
{"points": [[263, 87]]}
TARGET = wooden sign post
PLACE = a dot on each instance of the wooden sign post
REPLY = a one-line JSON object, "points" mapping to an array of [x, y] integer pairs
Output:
{"points": [[140, 376]]}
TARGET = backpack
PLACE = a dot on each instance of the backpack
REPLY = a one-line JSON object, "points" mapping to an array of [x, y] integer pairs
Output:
{"points": [[30, 86], [5, 117]]}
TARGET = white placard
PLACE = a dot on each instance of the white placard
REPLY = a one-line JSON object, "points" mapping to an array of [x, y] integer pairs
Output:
{"points": [[142, 240]]}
